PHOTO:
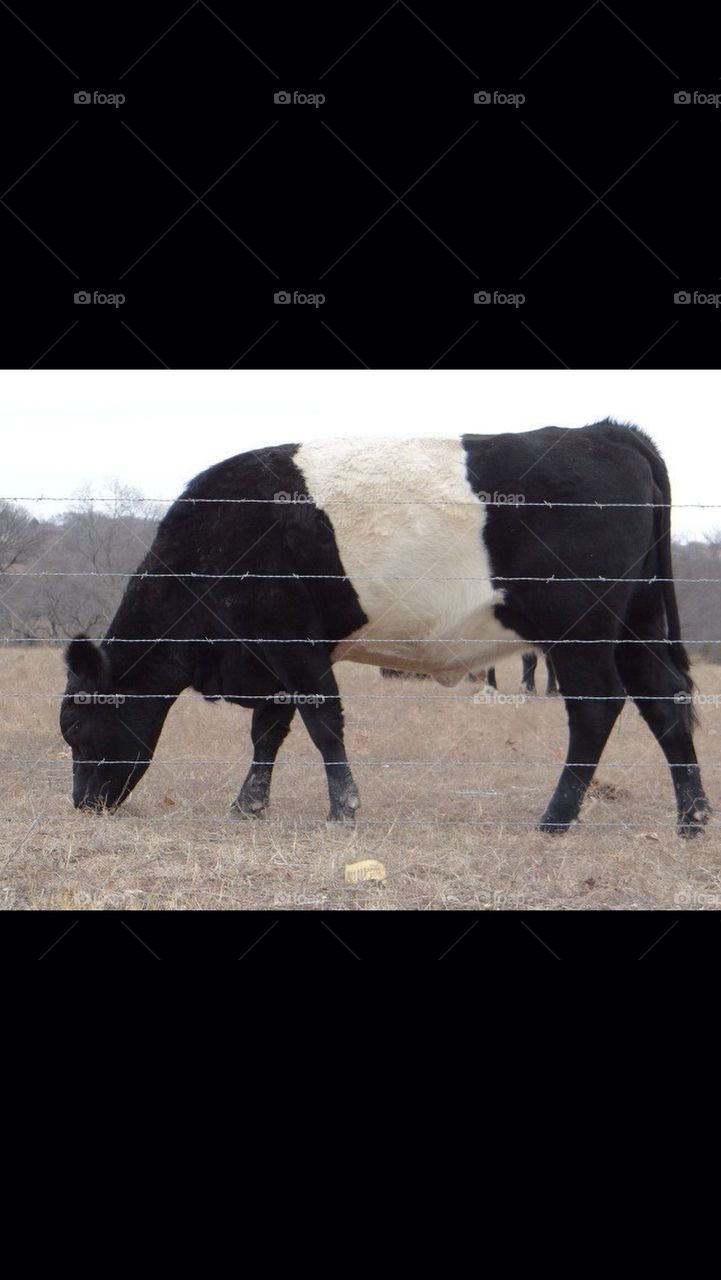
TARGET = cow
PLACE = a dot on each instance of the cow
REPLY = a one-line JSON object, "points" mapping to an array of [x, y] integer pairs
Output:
{"points": [[528, 679], [488, 678], [426, 555]]}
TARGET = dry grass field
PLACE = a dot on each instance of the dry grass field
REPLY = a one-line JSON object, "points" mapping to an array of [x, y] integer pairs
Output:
{"points": [[453, 833]]}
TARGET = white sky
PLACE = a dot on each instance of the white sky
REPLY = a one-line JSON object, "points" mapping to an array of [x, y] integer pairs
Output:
{"points": [[65, 429]]}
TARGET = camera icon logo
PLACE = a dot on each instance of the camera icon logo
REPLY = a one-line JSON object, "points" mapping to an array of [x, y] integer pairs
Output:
{"points": [[281, 299], [482, 299], [282, 97], [682, 299], [482, 98], [82, 298], [82, 97], [682, 97]]}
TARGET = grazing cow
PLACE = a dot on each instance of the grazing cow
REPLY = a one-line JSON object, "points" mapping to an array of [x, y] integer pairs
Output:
{"points": [[424, 555], [528, 679], [530, 662]]}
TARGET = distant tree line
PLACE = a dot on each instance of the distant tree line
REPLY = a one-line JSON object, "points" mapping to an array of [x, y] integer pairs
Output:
{"points": [[104, 541], [100, 541], [700, 602]]}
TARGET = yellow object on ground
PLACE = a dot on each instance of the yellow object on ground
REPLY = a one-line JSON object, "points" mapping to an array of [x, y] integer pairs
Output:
{"points": [[367, 869]]}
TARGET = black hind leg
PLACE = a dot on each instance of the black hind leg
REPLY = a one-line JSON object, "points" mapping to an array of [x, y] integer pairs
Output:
{"points": [[269, 726], [589, 725], [528, 679], [661, 691]]}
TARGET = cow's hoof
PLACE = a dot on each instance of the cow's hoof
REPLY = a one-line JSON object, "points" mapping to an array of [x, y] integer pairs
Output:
{"points": [[338, 821], [695, 819], [248, 808], [551, 828], [343, 808], [702, 811], [689, 829]]}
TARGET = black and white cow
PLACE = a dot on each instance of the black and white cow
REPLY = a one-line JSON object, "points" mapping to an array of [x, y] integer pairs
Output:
{"points": [[425, 555]]}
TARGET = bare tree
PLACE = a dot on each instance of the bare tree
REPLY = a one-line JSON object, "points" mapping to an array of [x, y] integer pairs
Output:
{"points": [[88, 552], [21, 536], [700, 601]]}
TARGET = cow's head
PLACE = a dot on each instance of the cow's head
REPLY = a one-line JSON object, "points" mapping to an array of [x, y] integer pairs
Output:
{"points": [[108, 733]]}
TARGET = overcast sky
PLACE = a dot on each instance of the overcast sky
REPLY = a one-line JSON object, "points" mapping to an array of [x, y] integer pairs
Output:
{"points": [[65, 429]]}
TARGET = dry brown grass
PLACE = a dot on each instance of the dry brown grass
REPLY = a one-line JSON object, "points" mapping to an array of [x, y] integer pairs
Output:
{"points": [[174, 846]]}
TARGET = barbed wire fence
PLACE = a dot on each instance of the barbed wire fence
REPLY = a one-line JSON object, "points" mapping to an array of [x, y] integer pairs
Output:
{"points": [[284, 500]]}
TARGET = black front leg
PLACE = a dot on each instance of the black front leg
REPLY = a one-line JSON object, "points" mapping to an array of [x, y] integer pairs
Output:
{"points": [[270, 724], [308, 676]]}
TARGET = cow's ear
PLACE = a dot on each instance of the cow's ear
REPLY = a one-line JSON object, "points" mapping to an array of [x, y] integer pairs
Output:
{"points": [[87, 662]]}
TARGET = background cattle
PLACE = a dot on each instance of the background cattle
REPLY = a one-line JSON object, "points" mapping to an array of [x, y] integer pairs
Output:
{"points": [[528, 679]]}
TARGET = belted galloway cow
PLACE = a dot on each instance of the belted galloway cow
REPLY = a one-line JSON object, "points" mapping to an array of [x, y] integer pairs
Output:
{"points": [[424, 555]]}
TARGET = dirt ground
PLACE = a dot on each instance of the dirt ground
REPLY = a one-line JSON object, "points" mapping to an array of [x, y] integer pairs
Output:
{"points": [[453, 824]]}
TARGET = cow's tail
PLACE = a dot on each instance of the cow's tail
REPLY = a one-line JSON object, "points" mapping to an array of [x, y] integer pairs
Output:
{"points": [[662, 524]]}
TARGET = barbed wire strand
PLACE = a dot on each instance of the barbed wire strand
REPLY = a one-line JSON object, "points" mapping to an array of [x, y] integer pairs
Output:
{"points": [[371, 763], [369, 641], [284, 499], [330, 577], [500, 699], [310, 824]]}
